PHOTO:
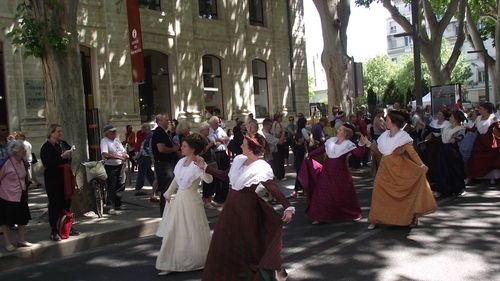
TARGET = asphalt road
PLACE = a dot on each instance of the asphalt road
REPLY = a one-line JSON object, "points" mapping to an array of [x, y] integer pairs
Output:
{"points": [[458, 242]]}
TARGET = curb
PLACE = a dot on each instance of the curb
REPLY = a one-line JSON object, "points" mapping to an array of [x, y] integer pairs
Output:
{"points": [[49, 250]]}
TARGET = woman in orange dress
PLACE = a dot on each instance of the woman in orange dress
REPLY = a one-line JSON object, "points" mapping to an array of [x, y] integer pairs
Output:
{"points": [[401, 192]]}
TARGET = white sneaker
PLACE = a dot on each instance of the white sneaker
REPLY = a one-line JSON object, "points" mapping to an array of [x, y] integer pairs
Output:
{"points": [[112, 212], [372, 226], [163, 273]]}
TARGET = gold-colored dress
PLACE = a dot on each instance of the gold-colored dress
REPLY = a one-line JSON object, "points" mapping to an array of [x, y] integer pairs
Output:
{"points": [[401, 191]]}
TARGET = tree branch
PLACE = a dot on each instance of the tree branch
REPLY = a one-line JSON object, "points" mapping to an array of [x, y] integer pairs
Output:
{"points": [[455, 54], [474, 36], [430, 15], [448, 15], [397, 16]]}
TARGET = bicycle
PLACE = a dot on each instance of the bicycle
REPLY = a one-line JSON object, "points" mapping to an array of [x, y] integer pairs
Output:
{"points": [[95, 176]]}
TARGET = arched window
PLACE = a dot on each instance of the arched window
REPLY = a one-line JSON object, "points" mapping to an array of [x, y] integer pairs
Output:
{"points": [[256, 9], [212, 84], [208, 9], [259, 71]]}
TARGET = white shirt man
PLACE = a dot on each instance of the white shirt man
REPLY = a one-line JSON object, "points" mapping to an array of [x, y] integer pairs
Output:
{"points": [[217, 134], [112, 149]]}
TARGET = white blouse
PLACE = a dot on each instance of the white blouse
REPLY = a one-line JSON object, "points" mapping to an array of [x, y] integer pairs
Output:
{"points": [[387, 144], [334, 150], [483, 125]]}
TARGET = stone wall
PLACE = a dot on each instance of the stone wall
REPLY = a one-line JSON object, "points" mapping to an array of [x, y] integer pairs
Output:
{"points": [[185, 38]]}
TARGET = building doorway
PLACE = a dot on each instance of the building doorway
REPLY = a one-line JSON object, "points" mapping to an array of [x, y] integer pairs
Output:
{"points": [[3, 93], [154, 93], [92, 113]]}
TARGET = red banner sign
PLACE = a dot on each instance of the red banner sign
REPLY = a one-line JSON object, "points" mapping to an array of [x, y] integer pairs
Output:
{"points": [[135, 39]]}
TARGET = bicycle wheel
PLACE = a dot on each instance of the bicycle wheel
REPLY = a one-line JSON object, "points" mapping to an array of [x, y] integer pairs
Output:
{"points": [[98, 197]]}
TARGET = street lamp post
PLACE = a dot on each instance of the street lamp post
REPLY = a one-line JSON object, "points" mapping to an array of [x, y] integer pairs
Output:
{"points": [[486, 74]]}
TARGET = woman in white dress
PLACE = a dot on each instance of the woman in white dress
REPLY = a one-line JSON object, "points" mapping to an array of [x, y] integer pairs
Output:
{"points": [[184, 226]]}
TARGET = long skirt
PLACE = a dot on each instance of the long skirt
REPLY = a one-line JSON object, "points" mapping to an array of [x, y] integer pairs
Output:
{"points": [[12, 213], [485, 157], [246, 244], [401, 192], [333, 197], [451, 170]]}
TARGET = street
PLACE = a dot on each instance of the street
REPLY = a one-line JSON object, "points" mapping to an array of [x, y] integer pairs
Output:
{"points": [[458, 242]]}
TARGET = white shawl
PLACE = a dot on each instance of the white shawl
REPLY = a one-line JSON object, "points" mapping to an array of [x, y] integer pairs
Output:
{"points": [[483, 125], [241, 175], [434, 124], [447, 133], [387, 144], [186, 176], [334, 150]]}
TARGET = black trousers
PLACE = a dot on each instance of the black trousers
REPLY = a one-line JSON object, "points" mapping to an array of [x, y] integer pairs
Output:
{"points": [[221, 188], [116, 183], [164, 175], [278, 165], [55, 195]]}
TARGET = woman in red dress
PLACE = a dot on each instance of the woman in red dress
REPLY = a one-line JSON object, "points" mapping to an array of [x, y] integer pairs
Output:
{"points": [[333, 197], [246, 243], [484, 161]]}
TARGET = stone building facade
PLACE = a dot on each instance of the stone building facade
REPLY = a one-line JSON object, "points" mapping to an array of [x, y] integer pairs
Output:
{"points": [[230, 56]]}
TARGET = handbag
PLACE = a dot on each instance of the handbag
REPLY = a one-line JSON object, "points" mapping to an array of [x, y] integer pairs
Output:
{"points": [[64, 224]]}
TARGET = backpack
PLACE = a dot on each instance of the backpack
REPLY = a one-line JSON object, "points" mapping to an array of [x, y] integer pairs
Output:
{"points": [[64, 224]]}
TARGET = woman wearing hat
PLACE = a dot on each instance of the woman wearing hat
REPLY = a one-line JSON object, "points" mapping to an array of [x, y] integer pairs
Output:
{"points": [[331, 196], [246, 244]]}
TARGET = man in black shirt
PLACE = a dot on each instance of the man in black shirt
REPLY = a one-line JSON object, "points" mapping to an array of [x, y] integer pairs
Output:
{"points": [[164, 154]]}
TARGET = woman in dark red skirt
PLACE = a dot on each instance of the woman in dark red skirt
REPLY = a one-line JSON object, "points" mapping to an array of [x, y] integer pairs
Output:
{"points": [[333, 197], [484, 161], [246, 244]]}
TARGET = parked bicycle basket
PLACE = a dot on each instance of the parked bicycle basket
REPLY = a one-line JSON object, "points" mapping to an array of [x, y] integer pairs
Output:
{"points": [[93, 170]]}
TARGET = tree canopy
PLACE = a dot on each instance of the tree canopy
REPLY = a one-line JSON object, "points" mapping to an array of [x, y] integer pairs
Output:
{"points": [[435, 16]]}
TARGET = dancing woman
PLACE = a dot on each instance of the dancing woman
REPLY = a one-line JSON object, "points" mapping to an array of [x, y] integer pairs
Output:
{"points": [[484, 161], [333, 197], [401, 192], [184, 226], [451, 166], [246, 243]]}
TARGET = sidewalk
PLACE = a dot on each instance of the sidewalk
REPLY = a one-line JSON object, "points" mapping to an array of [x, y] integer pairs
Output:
{"points": [[139, 218]]}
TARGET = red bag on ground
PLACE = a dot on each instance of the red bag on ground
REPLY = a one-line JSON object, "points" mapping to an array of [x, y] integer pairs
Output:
{"points": [[64, 224]]}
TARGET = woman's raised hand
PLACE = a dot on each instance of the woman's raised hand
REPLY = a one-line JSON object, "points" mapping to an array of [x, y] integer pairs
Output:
{"points": [[287, 216], [198, 161], [363, 140]]}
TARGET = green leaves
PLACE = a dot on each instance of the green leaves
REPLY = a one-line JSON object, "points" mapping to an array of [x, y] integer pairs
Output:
{"points": [[392, 81], [484, 14], [35, 34]]}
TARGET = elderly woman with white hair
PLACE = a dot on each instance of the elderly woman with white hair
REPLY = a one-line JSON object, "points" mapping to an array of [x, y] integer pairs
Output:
{"points": [[13, 195]]}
